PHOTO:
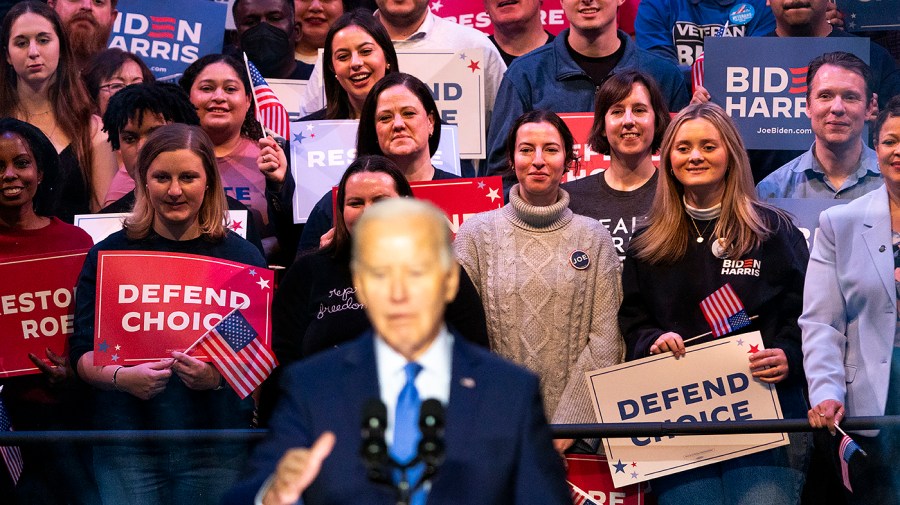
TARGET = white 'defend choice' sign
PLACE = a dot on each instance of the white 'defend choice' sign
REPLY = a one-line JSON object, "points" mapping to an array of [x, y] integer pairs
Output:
{"points": [[712, 382], [322, 150], [456, 81], [100, 226]]}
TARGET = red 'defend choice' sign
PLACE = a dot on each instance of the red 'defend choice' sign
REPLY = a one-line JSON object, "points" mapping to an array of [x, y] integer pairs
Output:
{"points": [[151, 303], [37, 303], [590, 474], [461, 198]]}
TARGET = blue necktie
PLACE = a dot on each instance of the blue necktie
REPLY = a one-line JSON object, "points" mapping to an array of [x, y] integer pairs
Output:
{"points": [[406, 430]]}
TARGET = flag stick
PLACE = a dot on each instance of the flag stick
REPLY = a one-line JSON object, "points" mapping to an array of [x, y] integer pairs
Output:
{"points": [[195, 344], [752, 318], [851, 438], [255, 101]]}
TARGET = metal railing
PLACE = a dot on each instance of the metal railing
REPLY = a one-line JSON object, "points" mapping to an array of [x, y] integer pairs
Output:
{"points": [[599, 430]]}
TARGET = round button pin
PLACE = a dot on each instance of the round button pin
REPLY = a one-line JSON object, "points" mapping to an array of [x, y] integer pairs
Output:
{"points": [[579, 260]]}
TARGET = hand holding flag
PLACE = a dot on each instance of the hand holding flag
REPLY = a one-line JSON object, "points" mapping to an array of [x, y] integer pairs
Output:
{"points": [[270, 113], [237, 353], [724, 312]]}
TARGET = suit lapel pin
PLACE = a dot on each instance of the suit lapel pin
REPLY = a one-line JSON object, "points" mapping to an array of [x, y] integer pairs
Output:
{"points": [[467, 382], [881, 249]]}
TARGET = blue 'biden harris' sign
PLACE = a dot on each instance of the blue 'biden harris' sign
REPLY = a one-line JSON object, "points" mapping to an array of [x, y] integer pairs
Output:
{"points": [[761, 83], [168, 38], [865, 15]]}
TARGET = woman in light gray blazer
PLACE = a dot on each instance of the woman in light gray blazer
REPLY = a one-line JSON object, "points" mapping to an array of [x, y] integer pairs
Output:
{"points": [[850, 324]]}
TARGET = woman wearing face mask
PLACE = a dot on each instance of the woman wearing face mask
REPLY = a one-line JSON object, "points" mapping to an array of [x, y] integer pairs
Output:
{"points": [[267, 31], [549, 279], [41, 86], [180, 207], [706, 212], [630, 116]]}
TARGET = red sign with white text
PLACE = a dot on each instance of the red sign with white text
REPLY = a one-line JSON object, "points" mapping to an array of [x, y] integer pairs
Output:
{"points": [[461, 198], [590, 163], [37, 305], [590, 474], [471, 13], [152, 303]]}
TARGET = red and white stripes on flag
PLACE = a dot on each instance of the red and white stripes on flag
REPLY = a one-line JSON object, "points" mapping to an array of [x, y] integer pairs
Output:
{"points": [[723, 310], [697, 73], [847, 448], [269, 111], [238, 354], [579, 496], [12, 456]]}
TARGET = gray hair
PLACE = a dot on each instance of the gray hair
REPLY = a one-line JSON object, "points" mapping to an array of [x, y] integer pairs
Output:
{"points": [[399, 209]]}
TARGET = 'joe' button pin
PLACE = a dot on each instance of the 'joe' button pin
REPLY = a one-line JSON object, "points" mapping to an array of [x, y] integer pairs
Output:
{"points": [[579, 260]]}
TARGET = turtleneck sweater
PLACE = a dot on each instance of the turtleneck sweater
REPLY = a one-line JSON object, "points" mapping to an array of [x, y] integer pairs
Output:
{"points": [[550, 283]]}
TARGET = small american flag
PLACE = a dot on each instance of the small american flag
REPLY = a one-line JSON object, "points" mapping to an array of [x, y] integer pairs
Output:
{"points": [[847, 449], [270, 113], [697, 73], [724, 311], [11, 454], [579, 497], [238, 355]]}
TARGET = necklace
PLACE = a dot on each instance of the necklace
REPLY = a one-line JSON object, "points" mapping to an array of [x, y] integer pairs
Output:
{"points": [[699, 235]]}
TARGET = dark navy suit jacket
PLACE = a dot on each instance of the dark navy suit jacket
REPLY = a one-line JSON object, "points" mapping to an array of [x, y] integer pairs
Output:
{"points": [[498, 445]]}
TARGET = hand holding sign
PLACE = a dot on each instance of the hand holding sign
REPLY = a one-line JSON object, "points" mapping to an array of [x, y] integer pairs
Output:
{"points": [[669, 341], [769, 365]]}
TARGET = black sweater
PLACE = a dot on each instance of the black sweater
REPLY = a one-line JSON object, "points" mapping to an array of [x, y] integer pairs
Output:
{"points": [[659, 298]]}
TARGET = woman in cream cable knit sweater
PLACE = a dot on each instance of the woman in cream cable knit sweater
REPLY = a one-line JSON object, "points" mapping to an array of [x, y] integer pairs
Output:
{"points": [[549, 279]]}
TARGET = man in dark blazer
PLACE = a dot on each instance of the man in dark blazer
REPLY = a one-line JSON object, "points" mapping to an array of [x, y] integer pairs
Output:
{"points": [[498, 445]]}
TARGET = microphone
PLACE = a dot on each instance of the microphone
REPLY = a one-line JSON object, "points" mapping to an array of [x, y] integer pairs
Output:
{"points": [[431, 446], [374, 449]]}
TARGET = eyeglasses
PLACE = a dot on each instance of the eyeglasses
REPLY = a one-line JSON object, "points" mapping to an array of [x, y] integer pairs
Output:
{"points": [[114, 87]]}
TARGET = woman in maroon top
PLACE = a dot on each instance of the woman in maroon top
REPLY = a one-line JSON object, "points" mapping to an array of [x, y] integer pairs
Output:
{"points": [[52, 473]]}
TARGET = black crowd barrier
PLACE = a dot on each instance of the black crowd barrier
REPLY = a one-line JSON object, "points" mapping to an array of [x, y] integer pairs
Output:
{"points": [[604, 430]]}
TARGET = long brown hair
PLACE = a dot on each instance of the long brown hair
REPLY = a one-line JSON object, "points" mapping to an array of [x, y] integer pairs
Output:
{"points": [[68, 97], [175, 137], [741, 225]]}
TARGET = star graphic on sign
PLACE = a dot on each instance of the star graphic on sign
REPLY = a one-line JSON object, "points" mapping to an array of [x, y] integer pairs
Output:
{"points": [[481, 184], [474, 65], [115, 357], [236, 225], [753, 348], [298, 137], [252, 272], [493, 194], [853, 16], [118, 347], [634, 475], [263, 283], [852, 25], [312, 135], [620, 467], [436, 6], [310, 127], [103, 347], [633, 464], [740, 342], [462, 56]]}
